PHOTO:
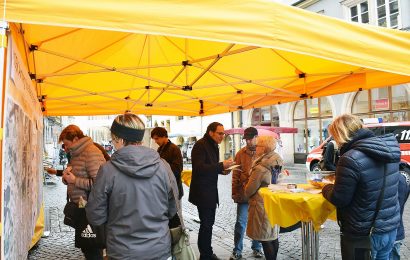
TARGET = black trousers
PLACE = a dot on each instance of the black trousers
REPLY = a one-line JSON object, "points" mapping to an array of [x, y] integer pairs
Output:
{"points": [[270, 249], [207, 218], [92, 253]]}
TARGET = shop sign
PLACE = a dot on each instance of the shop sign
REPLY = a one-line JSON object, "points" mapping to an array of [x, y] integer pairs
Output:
{"points": [[382, 103], [314, 110]]}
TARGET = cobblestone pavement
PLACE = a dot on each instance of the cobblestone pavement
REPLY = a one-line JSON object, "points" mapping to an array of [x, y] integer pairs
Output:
{"points": [[60, 243]]}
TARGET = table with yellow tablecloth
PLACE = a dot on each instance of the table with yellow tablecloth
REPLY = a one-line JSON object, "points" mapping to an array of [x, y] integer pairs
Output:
{"points": [[285, 209]]}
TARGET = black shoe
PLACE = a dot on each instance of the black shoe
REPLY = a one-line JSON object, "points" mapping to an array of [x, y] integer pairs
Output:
{"points": [[213, 257]]}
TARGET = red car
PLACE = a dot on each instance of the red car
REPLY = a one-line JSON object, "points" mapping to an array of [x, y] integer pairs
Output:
{"points": [[400, 129]]}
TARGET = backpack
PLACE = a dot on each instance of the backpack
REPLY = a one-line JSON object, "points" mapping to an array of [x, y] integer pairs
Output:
{"points": [[335, 155]]}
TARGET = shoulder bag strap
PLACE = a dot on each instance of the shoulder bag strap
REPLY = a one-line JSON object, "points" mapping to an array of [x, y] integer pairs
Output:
{"points": [[379, 201], [173, 184]]}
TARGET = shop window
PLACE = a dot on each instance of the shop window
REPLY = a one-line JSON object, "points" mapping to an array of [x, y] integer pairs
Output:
{"points": [[312, 107], [312, 118], [389, 103], [300, 137], [266, 116], [299, 110], [401, 97], [361, 103], [380, 99]]}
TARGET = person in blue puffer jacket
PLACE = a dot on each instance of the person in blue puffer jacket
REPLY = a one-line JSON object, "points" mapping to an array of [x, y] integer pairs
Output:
{"points": [[364, 159]]}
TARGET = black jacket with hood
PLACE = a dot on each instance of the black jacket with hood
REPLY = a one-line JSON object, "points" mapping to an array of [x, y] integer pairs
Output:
{"points": [[132, 195], [359, 180]]}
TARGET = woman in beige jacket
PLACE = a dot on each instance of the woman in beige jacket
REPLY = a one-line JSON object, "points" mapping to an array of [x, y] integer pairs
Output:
{"points": [[259, 227]]}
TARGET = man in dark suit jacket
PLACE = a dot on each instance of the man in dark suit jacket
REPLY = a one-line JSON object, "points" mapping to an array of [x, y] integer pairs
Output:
{"points": [[203, 191], [170, 153]]}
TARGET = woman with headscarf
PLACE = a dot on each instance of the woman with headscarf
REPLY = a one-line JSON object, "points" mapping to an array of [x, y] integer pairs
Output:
{"points": [[367, 177], [133, 196], [267, 164]]}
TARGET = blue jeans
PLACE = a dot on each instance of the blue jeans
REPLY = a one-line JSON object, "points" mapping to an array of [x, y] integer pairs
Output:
{"points": [[395, 253], [382, 245], [240, 226]]}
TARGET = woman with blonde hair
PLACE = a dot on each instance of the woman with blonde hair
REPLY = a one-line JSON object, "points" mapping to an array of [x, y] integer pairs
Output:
{"points": [[259, 227], [365, 189], [133, 196]]}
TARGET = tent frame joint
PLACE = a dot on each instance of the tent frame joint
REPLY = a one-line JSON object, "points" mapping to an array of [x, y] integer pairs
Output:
{"points": [[304, 95], [33, 48], [186, 63], [187, 88], [302, 75], [148, 104]]}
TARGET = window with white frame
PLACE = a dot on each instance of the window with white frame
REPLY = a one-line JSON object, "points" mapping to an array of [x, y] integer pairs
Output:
{"points": [[360, 12], [385, 13], [388, 13]]}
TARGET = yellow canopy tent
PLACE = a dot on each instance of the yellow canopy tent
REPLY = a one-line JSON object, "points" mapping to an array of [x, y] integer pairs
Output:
{"points": [[197, 57]]}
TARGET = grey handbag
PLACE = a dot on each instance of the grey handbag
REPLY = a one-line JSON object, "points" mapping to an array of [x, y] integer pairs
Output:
{"points": [[181, 246]]}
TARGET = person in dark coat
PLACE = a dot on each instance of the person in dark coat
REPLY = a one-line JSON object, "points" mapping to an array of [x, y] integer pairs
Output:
{"points": [[364, 159], [171, 153], [330, 156], [404, 190], [203, 191]]}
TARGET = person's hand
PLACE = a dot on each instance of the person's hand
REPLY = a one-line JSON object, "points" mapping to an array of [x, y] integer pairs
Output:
{"points": [[51, 171], [68, 176], [228, 163]]}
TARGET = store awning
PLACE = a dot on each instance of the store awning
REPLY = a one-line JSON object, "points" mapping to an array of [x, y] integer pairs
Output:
{"points": [[197, 57]]}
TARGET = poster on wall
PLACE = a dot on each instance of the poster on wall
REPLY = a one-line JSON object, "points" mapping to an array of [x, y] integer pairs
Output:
{"points": [[22, 159]]}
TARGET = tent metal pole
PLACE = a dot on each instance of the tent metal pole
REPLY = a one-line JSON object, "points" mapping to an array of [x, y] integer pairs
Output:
{"points": [[329, 84], [166, 87], [155, 66], [237, 51], [212, 64]]}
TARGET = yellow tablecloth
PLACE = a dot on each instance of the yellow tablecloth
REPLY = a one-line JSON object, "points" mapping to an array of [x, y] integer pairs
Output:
{"points": [[186, 177], [285, 209]]}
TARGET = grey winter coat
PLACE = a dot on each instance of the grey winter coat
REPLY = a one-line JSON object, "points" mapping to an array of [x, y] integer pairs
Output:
{"points": [[359, 180], [259, 227], [133, 197]]}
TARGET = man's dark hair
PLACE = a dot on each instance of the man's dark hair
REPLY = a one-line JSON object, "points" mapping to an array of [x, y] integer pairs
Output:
{"points": [[159, 131], [212, 127]]}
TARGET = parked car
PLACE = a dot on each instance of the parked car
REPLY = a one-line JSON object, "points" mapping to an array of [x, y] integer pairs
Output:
{"points": [[400, 129]]}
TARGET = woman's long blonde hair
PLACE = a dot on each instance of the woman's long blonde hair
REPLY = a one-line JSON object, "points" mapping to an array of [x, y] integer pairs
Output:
{"points": [[344, 127]]}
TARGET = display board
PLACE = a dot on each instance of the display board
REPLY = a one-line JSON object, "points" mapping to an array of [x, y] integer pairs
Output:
{"points": [[22, 158]]}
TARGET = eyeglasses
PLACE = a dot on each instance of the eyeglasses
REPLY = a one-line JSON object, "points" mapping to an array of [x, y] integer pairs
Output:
{"points": [[220, 133]]}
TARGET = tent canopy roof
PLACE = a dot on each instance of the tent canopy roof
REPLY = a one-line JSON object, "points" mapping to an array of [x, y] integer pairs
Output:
{"points": [[197, 57]]}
